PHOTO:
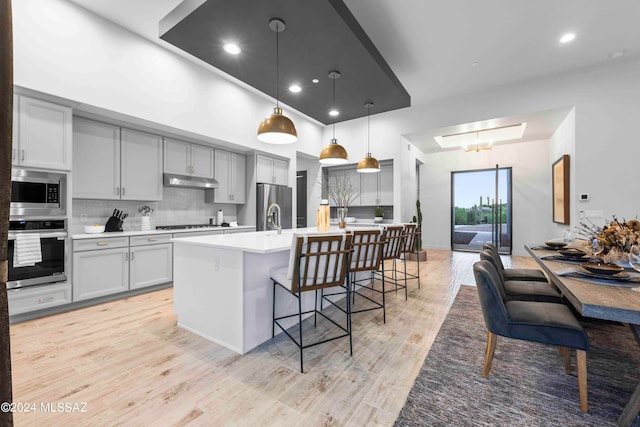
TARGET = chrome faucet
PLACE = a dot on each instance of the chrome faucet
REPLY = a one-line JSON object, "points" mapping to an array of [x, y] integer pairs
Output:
{"points": [[274, 206]]}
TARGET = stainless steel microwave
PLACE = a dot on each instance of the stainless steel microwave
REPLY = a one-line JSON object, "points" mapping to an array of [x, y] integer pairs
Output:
{"points": [[37, 194]]}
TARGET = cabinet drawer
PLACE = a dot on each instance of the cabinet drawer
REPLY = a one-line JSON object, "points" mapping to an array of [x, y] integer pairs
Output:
{"points": [[104, 243], [150, 239], [25, 300]]}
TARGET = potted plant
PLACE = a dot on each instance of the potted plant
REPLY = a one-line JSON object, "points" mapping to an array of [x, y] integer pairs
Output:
{"points": [[343, 192], [419, 253], [378, 214]]}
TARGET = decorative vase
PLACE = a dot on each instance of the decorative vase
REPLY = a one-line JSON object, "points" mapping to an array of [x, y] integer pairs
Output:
{"points": [[378, 219], [145, 223], [342, 217]]}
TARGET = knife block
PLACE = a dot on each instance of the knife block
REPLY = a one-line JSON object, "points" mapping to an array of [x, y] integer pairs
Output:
{"points": [[113, 224]]}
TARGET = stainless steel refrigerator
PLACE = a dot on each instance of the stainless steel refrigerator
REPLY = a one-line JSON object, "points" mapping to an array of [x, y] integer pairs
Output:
{"points": [[268, 194]]}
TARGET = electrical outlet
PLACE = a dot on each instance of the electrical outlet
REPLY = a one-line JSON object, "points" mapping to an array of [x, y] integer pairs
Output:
{"points": [[581, 214], [594, 214]]}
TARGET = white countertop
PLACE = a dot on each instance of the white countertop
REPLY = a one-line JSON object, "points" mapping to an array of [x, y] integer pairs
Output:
{"points": [[147, 232], [262, 242]]}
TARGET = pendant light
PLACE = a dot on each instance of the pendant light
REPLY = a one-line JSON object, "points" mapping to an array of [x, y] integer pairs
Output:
{"points": [[368, 164], [277, 128], [477, 148], [334, 153]]}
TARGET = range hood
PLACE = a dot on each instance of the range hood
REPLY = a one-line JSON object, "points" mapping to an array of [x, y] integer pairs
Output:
{"points": [[185, 181]]}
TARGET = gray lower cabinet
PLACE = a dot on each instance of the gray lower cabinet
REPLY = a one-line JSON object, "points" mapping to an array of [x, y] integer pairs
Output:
{"points": [[150, 260], [25, 300], [101, 271], [110, 265]]}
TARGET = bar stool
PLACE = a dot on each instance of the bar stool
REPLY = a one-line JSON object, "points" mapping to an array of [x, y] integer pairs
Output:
{"points": [[392, 249], [366, 256], [410, 235], [317, 262]]}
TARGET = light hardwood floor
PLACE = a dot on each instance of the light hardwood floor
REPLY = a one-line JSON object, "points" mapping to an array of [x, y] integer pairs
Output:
{"points": [[132, 366]]}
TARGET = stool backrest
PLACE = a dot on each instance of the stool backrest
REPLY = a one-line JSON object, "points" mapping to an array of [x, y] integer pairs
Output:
{"points": [[410, 233], [394, 243], [320, 261], [367, 246], [492, 298]]}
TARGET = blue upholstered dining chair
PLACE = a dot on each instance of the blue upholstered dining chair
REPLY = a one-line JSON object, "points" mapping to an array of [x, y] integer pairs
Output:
{"points": [[520, 289], [528, 274], [542, 322], [317, 262]]}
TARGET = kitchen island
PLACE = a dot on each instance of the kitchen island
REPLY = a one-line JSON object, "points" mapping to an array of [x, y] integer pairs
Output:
{"points": [[222, 287]]}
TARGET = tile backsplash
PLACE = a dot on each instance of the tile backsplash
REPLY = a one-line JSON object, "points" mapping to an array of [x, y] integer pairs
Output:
{"points": [[179, 206]]}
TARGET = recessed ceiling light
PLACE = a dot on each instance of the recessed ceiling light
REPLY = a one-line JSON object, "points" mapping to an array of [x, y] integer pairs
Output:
{"points": [[475, 64], [567, 38], [232, 48], [295, 88], [617, 54], [315, 81], [334, 113]]}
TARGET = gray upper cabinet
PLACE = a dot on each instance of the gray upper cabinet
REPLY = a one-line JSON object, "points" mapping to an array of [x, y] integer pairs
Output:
{"points": [[184, 158], [231, 174], [376, 189], [140, 165], [270, 170], [42, 134], [115, 164]]}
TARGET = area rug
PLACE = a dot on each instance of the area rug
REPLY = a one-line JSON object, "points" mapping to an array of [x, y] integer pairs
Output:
{"points": [[527, 385]]}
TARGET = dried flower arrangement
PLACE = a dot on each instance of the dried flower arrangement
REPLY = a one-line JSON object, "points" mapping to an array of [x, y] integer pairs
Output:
{"points": [[342, 191], [618, 236]]}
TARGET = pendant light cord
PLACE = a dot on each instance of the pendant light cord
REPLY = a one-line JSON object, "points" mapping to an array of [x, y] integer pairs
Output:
{"points": [[277, 66], [334, 108], [368, 128]]}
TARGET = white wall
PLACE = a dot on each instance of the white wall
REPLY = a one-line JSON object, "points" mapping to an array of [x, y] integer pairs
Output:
{"points": [[314, 188], [530, 189], [606, 101], [563, 141], [63, 50]]}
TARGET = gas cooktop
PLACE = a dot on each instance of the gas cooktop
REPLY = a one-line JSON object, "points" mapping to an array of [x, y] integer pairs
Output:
{"points": [[188, 226]]}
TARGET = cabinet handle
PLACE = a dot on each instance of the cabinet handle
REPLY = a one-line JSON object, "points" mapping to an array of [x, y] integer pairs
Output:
{"points": [[133, 256], [43, 300], [123, 191], [126, 256], [102, 243], [151, 239], [118, 191], [22, 151], [13, 154]]}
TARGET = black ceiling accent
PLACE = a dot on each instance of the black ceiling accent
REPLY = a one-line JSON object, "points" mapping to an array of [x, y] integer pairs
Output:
{"points": [[320, 36]]}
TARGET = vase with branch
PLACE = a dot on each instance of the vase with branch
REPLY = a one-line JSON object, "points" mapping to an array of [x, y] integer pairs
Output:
{"points": [[343, 192]]}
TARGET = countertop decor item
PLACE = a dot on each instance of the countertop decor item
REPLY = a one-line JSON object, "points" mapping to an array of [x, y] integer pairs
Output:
{"points": [[115, 222], [343, 192], [145, 218], [94, 229], [378, 214]]}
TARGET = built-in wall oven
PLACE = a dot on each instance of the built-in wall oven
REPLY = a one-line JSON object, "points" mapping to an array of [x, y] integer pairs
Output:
{"points": [[51, 235], [37, 194]]}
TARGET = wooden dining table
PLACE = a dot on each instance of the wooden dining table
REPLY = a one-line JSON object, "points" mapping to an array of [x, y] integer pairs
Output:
{"points": [[597, 300]]}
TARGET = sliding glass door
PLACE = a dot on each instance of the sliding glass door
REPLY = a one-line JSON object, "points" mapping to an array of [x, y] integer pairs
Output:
{"points": [[481, 209]]}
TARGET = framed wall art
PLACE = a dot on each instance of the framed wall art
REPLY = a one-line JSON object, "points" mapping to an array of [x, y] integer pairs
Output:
{"points": [[560, 183]]}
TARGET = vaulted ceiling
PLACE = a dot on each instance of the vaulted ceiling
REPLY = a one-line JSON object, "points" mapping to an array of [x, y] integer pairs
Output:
{"points": [[436, 49]]}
